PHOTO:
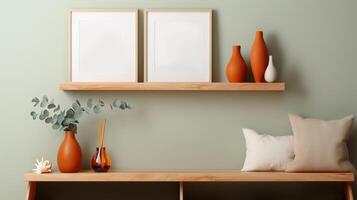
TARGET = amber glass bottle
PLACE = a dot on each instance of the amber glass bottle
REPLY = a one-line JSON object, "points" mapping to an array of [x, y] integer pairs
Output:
{"points": [[100, 161]]}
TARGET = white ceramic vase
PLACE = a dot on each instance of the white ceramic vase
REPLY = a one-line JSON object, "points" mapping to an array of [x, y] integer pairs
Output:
{"points": [[270, 73]]}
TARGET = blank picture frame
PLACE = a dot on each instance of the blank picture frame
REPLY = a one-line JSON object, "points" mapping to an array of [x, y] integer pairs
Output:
{"points": [[178, 45], [103, 45]]}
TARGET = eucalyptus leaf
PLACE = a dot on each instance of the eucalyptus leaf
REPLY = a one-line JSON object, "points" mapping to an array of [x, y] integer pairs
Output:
{"points": [[129, 106], [50, 106], [57, 109], [34, 115], [90, 103], [69, 113], [60, 118], [44, 102], [101, 103], [44, 114], [48, 120], [117, 103], [54, 119], [97, 109], [76, 106], [36, 101], [78, 114], [123, 106], [56, 126]]}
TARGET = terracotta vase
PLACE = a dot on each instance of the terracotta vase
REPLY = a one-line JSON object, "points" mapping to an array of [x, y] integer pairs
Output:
{"points": [[236, 70], [69, 156], [259, 57]]}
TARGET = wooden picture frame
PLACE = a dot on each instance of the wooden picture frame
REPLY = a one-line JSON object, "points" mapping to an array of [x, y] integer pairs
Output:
{"points": [[101, 22], [201, 18]]}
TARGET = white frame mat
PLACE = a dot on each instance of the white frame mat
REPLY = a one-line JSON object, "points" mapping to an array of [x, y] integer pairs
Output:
{"points": [[103, 45], [178, 45]]}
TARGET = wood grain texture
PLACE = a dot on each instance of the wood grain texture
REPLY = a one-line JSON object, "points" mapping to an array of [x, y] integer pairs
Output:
{"points": [[186, 176], [173, 86], [348, 191]]}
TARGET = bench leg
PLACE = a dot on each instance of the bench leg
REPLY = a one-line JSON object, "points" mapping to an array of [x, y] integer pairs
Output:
{"points": [[348, 191], [181, 190], [31, 191]]}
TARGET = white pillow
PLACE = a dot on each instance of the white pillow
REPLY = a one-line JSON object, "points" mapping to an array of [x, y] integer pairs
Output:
{"points": [[266, 152]]}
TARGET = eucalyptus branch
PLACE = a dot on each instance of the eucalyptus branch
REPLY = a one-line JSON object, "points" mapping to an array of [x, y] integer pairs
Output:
{"points": [[68, 119]]}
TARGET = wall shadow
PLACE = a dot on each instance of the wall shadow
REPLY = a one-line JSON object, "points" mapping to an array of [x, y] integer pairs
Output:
{"points": [[141, 46], [291, 77], [216, 70]]}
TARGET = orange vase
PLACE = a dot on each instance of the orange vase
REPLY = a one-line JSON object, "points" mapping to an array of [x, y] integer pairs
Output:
{"points": [[69, 156], [236, 70], [259, 57]]}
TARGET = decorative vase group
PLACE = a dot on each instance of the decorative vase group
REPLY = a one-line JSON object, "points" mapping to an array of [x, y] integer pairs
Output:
{"points": [[261, 64], [69, 156]]}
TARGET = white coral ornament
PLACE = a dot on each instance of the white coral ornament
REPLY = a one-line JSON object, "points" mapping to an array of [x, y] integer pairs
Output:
{"points": [[43, 166]]}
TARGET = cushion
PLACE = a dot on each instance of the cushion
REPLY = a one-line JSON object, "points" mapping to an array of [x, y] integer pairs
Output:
{"points": [[266, 152], [320, 146]]}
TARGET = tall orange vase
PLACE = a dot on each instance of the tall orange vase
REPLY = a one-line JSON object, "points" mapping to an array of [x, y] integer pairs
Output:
{"points": [[69, 156], [259, 57], [236, 70]]}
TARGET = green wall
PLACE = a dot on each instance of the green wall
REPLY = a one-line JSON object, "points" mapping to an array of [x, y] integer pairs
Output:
{"points": [[314, 45]]}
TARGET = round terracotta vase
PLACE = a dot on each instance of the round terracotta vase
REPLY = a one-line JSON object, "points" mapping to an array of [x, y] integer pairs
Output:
{"points": [[69, 156], [259, 57], [236, 70]]}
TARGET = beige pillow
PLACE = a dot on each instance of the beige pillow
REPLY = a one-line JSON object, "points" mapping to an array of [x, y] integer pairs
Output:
{"points": [[320, 145], [267, 152]]}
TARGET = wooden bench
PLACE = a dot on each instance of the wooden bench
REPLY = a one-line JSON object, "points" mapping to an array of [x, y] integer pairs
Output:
{"points": [[189, 176]]}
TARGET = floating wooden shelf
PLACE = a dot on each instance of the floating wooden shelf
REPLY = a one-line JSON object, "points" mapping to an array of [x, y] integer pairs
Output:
{"points": [[173, 86], [189, 176]]}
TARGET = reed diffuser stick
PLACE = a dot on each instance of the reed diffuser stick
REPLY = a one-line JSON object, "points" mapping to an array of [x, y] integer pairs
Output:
{"points": [[99, 132], [103, 131]]}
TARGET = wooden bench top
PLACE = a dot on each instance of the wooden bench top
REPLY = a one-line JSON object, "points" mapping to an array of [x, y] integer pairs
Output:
{"points": [[188, 176]]}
